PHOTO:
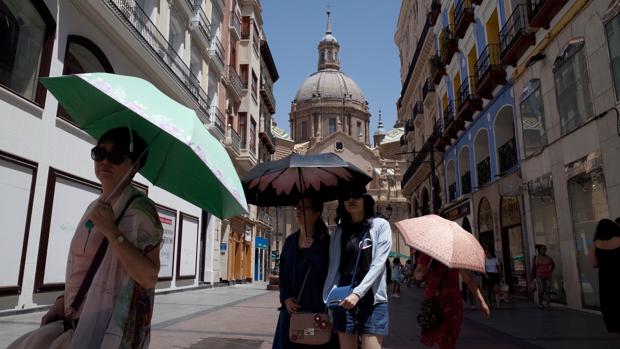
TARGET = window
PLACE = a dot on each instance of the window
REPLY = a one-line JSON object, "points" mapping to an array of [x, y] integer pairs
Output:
{"points": [[243, 133], [26, 40], [304, 130], [572, 86], [532, 118], [332, 125], [613, 40], [359, 130], [244, 74], [82, 56], [252, 135], [339, 146]]}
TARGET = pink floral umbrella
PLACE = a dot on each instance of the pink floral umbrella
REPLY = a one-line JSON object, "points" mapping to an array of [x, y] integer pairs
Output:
{"points": [[443, 240]]}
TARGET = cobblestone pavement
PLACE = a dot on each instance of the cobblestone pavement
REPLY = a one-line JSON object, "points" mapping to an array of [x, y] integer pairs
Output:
{"points": [[244, 316]]}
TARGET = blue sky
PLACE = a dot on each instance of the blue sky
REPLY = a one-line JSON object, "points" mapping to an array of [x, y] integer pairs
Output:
{"points": [[365, 30]]}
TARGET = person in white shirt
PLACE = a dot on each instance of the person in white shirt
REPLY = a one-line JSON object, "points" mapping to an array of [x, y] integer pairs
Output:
{"points": [[492, 277]]}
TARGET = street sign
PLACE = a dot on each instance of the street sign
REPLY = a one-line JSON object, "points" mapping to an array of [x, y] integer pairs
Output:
{"points": [[261, 242]]}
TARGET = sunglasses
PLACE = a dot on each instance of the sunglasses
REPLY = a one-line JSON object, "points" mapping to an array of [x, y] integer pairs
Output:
{"points": [[348, 196], [115, 157]]}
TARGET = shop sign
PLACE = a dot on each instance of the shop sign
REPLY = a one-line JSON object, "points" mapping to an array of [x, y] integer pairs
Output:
{"points": [[458, 212], [511, 215], [248, 232], [541, 186], [223, 247], [586, 164], [261, 242]]}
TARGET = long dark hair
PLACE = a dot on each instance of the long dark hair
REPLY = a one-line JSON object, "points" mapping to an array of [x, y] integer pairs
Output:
{"points": [[344, 218], [606, 229]]}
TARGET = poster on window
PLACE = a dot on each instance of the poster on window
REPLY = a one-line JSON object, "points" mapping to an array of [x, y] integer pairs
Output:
{"points": [[15, 189], [188, 241], [71, 198], [168, 219]]}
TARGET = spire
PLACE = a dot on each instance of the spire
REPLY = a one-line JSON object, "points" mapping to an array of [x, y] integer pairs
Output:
{"points": [[329, 23], [379, 134], [380, 127], [328, 48]]}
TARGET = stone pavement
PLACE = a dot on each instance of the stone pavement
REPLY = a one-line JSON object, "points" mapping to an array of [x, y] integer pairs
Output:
{"points": [[244, 316]]}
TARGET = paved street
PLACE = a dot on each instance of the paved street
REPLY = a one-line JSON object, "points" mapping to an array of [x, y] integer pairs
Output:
{"points": [[244, 316]]}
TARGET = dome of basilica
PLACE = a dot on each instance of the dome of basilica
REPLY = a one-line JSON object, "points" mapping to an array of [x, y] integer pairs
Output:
{"points": [[329, 83]]}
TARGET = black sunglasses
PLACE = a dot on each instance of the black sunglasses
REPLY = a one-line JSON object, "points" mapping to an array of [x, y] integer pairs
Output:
{"points": [[348, 196], [115, 157]]}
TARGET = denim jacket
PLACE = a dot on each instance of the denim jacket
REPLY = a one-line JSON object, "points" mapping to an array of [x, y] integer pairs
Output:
{"points": [[381, 236]]}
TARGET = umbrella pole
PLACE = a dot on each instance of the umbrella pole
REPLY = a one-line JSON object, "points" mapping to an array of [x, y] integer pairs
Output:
{"points": [[303, 208]]}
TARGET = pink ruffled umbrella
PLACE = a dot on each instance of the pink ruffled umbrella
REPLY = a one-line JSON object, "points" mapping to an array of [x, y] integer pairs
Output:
{"points": [[443, 240]]}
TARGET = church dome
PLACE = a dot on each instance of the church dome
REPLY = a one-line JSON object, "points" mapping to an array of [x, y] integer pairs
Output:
{"points": [[329, 83], [328, 37]]}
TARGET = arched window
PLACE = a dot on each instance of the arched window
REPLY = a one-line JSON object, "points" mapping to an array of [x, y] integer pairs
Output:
{"points": [[464, 171], [451, 177], [26, 40], [505, 140], [83, 56], [481, 156]]}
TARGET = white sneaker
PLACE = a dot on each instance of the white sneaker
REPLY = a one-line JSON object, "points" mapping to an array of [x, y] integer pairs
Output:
{"points": [[396, 296]]}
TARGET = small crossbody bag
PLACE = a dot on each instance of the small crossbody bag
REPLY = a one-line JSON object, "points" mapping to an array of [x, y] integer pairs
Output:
{"points": [[309, 328]]}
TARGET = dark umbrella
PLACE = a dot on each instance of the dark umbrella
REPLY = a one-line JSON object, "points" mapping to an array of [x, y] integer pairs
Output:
{"points": [[285, 181]]}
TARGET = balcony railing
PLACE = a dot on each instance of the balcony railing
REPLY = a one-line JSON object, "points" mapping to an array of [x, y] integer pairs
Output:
{"points": [[448, 115], [507, 155], [267, 94], [466, 183], [464, 16], [452, 191], [467, 101], [235, 140], [428, 88], [449, 45], [235, 24], [255, 41], [235, 81], [541, 12], [216, 52], [264, 218], [203, 24], [489, 71], [515, 36], [218, 119], [462, 94], [139, 23], [483, 169], [421, 156]]}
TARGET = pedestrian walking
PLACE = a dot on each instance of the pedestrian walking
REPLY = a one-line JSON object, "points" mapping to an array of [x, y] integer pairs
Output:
{"points": [[442, 285], [108, 298], [397, 277], [492, 278], [408, 272], [542, 269], [605, 255], [303, 268], [365, 310]]}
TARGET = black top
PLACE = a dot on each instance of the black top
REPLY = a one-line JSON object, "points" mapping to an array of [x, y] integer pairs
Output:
{"points": [[609, 287], [351, 236]]}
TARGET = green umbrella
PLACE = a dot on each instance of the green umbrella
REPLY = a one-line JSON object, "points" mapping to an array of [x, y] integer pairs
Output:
{"points": [[184, 158]]}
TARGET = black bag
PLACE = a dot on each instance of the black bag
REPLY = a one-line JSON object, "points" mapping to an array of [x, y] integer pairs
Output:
{"points": [[430, 316]]}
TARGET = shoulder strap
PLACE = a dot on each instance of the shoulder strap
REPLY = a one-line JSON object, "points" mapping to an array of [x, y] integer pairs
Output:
{"points": [[359, 253], [94, 265], [303, 285]]}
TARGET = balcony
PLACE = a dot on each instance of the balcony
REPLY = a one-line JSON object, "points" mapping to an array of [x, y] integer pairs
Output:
{"points": [[266, 136], [515, 36], [483, 169], [438, 69], [234, 81], [201, 26], [140, 25], [489, 71], [234, 141], [235, 25], [428, 90], [216, 54], [418, 109], [452, 191], [218, 123], [267, 94], [541, 12], [434, 12], [464, 16], [440, 142], [418, 160], [451, 126], [219, 5], [507, 154], [264, 218], [449, 45], [409, 127], [467, 103], [466, 183]]}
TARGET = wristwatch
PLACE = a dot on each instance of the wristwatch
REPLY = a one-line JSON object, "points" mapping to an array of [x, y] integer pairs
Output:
{"points": [[118, 239]]}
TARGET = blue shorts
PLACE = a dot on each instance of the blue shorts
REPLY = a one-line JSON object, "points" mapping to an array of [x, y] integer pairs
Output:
{"points": [[363, 319]]}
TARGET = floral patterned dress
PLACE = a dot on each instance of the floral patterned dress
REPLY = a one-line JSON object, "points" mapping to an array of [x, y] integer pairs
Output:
{"points": [[449, 298]]}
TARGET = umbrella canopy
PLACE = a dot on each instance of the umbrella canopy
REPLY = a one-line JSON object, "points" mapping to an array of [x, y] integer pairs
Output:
{"points": [[443, 240], [184, 158], [285, 181]]}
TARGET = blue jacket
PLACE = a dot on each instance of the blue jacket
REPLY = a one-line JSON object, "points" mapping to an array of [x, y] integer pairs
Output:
{"points": [[381, 236]]}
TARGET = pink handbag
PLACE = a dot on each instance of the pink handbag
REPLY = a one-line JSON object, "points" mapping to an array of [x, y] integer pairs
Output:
{"points": [[307, 327]]}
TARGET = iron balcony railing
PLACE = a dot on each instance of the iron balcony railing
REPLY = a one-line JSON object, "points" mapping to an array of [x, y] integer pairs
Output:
{"points": [[507, 155], [266, 89], [462, 95], [264, 218], [235, 22], [515, 27], [428, 87], [255, 40], [421, 155], [134, 17], [466, 183], [216, 51], [235, 80], [462, 8], [452, 191], [483, 169], [448, 114], [204, 25], [252, 148], [218, 119], [489, 57], [235, 140]]}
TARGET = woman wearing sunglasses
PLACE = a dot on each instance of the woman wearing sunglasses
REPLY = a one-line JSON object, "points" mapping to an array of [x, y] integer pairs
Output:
{"points": [[365, 310], [114, 310]]}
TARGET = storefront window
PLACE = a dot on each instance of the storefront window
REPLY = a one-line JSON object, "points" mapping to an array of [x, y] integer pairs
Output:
{"points": [[532, 118], [544, 222], [512, 245], [588, 203]]}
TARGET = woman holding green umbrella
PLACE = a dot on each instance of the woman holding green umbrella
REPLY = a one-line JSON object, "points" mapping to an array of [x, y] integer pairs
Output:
{"points": [[108, 302]]}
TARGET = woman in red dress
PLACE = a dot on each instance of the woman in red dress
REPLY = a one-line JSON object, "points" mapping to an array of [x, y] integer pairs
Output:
{"points": [[449, 298]]}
